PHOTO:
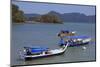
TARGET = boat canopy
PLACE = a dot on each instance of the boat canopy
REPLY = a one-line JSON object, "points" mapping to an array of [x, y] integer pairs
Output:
{"points": [[77, 37], [36, 49]]}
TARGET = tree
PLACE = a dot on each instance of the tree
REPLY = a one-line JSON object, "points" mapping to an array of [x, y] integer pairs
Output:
{"points": [[17, 15]]}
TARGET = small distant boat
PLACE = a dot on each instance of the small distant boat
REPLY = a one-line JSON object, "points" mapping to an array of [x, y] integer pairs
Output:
{"points": [[63, 33], [30, 53], [75, 40]]}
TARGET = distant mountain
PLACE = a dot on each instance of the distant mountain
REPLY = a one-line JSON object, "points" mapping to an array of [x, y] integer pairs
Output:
{"points": [[54, 13], [77, 17], [68, 17], [91, 18]]}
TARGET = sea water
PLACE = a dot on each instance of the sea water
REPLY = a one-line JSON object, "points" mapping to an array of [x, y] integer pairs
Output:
{"points": [[45, 35]]}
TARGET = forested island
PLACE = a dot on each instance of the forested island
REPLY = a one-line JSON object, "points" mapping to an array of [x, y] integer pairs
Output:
{"points": [[47, 18], [19, 17]]}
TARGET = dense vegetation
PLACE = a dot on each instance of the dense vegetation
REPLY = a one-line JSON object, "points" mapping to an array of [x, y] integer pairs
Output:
{"points": [[47, 18], [17, 15]]}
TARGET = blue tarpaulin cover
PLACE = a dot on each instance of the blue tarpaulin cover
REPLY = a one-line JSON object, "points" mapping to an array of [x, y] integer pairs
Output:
{"points": [[38, 50], [76, 37]]}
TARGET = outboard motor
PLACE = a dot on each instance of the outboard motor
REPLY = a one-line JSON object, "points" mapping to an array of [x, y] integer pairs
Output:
{"points": [[27, 50]]}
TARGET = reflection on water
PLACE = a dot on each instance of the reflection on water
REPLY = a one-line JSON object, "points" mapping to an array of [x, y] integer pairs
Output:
{"points": [[45, 35]]}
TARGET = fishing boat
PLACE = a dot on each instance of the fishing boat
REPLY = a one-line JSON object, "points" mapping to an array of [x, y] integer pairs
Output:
{"points": [[32, 53], [75, 40], [63, 33]]}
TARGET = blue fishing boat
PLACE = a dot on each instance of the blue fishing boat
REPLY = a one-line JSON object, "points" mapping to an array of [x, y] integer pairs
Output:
{"points": [[32, 53]]}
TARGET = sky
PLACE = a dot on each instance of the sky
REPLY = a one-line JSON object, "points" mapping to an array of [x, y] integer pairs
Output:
{"points": [[42, 8]]}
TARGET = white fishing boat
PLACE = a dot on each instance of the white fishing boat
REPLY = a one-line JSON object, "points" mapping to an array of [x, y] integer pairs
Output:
{"points": [[30, 53], [75, 40]]}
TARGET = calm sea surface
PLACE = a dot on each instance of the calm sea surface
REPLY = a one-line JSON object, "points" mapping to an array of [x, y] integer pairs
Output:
{"points": [[45, 35]]}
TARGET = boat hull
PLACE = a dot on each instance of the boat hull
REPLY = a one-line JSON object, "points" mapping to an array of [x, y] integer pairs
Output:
{"points": [[30, 58], [71, 45]]}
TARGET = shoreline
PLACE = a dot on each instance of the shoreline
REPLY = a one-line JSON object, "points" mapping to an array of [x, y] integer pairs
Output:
{"points": [[48, 23], [33, 22]]}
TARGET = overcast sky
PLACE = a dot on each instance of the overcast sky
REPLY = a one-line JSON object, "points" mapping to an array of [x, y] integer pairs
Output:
{"points": [[42, 8]]}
